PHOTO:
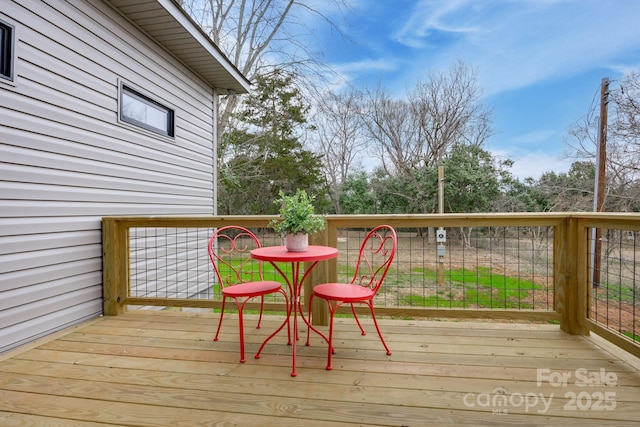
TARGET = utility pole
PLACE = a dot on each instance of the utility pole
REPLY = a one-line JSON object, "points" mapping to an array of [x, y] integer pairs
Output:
{"points": [[601, 166]]}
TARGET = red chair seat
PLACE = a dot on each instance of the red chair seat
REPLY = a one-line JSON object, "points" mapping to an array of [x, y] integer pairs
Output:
{"points": [[343, 292], [251, 289]]}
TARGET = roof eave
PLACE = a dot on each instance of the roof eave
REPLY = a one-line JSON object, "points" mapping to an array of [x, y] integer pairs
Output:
{"points": [[195, 50]]}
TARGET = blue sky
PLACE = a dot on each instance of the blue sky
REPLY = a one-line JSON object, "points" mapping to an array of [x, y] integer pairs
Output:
{"points": [[539, 62]]}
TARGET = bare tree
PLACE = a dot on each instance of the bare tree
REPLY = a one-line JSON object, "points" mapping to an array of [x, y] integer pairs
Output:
{"points": [[448, 111], [392, 126], [622, 185], [339, 134], [624, 130], [260, 36], [439, 113]]}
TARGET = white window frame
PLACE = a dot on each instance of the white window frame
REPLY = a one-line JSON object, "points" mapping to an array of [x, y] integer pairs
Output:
{"points": [[7, 51]]}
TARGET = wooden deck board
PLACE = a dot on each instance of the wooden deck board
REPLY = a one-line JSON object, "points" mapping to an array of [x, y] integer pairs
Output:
{"points": [[163, 369]]}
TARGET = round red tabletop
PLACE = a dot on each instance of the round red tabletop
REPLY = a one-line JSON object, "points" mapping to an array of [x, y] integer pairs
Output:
{"points": [[281, 254]]}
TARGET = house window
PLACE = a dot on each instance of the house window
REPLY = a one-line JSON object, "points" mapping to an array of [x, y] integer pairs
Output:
{"points": [[140, 110], [6, 51]]}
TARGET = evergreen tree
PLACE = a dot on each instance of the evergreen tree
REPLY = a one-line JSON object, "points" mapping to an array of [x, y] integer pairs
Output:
{"points": [[267, 155]]}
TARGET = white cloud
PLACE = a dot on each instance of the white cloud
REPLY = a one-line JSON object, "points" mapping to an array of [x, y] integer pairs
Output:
{"points": [[533, 164], [429, 16], [540, 136], [367, 65], [516, 44]]}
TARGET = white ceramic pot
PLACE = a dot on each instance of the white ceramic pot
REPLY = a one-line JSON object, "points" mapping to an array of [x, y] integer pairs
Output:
{"points": [[296, 242]]}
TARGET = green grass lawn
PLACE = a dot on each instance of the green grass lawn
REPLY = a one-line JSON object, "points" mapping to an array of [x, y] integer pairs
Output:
{"points": [[462, 287], [479, 287]]}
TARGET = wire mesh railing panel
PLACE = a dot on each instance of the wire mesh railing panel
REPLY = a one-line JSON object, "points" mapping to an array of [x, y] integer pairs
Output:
{"points": [[174, 263], [170, 263], [614, 280], [479, 268], [476, 268]]}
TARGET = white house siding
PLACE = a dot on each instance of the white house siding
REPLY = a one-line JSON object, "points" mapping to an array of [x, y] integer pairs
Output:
{"points": [[66, 161]]}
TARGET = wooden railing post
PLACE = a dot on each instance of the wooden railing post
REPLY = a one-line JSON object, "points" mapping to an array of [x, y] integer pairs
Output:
{"points": [[320, 274], [115, 265], [570, 264], [560, 271], [581, 284]]}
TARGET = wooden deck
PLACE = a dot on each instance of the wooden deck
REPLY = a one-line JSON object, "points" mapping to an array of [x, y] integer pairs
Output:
{"points": [[163, 369]]}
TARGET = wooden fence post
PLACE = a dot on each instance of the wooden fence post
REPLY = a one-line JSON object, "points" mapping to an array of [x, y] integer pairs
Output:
{"points": [[115, 270]]}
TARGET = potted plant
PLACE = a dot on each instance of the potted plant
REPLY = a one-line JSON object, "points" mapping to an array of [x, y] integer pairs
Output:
{"points": [[297, 220]]}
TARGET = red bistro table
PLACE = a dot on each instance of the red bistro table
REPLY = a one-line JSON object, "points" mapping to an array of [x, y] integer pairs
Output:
{"points": [[274, 254]]}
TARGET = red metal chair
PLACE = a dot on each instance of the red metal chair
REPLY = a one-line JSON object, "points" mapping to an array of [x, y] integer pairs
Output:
{"points": [[239, 275], [374, 259]]}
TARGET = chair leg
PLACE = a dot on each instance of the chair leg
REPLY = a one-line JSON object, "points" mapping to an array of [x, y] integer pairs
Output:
{"points": [[261, 308], [309, 320], [353, 310], [241, 324], [288, 314], [331, 350], [224, 299], [310, 328], [375, 322]]}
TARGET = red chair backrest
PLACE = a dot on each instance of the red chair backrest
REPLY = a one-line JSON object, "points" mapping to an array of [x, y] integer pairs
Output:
{"points": [[229, 249], [375, 257]]}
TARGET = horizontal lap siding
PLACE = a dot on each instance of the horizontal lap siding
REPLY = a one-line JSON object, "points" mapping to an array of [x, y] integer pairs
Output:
{"points": [[66, 161]]}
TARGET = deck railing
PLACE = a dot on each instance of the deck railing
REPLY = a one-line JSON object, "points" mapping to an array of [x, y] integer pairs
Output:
{"points": [[580, 270]]}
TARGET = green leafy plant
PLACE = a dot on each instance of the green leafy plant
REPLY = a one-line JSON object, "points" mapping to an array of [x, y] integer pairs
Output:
{"points": [[297, 214]]}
